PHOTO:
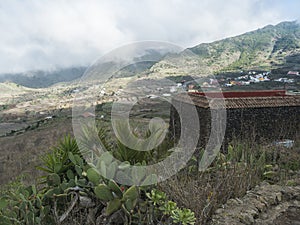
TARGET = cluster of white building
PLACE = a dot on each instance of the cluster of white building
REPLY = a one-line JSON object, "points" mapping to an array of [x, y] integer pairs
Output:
{"points": [[253, 77]]}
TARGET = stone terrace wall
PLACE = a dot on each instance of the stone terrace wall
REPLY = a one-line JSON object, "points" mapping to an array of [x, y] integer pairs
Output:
{"points": [[265, 204]]}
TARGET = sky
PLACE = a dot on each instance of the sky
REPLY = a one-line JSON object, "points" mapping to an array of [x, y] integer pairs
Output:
{"points": [[49, 34]]}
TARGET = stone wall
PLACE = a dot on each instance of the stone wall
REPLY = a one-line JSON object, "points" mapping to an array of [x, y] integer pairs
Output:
{"points": [[252, 124], [265, 204]]}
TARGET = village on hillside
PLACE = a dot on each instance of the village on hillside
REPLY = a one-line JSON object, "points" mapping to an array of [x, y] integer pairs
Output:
{"points": [[247, 80]]}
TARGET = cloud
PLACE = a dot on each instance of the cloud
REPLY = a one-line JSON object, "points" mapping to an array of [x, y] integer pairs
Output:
{"points": [[59, 33]]}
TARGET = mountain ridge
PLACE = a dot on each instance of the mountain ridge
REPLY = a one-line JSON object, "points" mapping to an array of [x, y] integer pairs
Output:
{"points": [[43, 79], [267, 48], [274, 42]]}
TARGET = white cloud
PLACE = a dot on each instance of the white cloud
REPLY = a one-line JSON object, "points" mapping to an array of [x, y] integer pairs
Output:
{"points": [[44, 34]]}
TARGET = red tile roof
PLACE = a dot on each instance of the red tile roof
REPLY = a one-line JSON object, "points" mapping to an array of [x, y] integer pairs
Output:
{"points": [[235, 100]]}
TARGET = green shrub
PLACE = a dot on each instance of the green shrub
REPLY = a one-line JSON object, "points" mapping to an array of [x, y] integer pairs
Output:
{"points": [[71, 189]]}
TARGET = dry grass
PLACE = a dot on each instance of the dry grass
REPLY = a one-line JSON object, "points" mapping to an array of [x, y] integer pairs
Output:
{"points": [[21, 154], [204, 192]]}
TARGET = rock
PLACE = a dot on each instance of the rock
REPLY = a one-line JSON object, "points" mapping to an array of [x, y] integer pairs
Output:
{"points": [[264, 216], [117, 218], [86, 202], [278, 197], [246, 219], [219, 211], [261, 206], [265, 204]]}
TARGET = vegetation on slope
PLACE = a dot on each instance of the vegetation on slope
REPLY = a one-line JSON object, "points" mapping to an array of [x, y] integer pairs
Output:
{"points": [[73, 191], [264, 49], [260, 48]]}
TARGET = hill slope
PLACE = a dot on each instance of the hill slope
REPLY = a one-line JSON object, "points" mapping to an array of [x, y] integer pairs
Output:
{"points": [[8, 88], [264, 47], [42, 79], [267, 48]]}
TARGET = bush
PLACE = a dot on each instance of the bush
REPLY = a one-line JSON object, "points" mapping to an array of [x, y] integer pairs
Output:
{"points": [[230, 176], [73, 191]]}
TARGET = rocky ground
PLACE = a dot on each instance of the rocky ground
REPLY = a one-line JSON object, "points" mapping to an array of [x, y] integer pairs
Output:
{"points": [[265, 204]]}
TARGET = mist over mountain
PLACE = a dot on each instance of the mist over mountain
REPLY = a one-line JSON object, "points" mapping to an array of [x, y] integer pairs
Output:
{"points": [[270, 47], [42, 79]]}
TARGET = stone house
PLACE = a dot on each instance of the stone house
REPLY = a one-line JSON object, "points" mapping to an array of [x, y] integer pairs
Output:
{"points": [[263, 116]]}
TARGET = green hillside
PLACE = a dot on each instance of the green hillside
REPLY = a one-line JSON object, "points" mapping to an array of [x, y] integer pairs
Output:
{"points": [[12, 88], [264, 48], [267, 48]]}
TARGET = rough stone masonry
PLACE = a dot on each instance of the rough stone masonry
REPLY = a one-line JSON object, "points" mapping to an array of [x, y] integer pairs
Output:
{"points": [[264, 116]]}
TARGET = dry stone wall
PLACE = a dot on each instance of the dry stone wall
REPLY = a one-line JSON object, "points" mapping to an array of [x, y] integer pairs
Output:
{"points": [[265, 204]]}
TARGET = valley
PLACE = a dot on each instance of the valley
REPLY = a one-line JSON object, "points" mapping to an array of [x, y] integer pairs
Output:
{"points": [[38, 109]]}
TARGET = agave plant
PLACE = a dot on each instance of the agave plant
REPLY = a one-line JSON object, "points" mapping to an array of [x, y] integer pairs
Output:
{"points": [[58, 160], [63, 163]]}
